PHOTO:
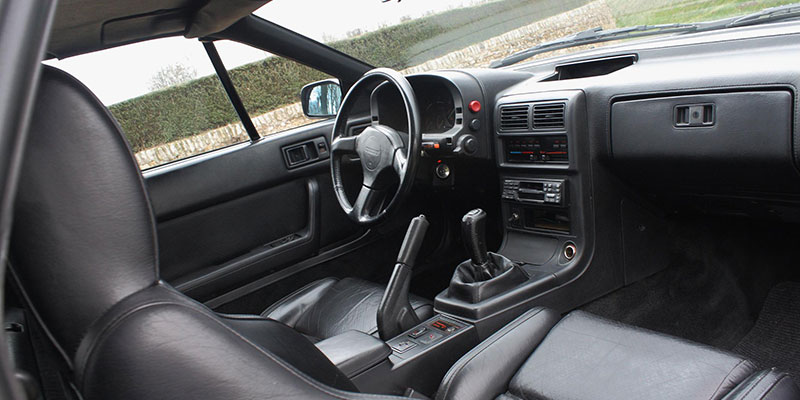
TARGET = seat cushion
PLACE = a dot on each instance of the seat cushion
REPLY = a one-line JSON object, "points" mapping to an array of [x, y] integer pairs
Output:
{"points": [[329, 306], [587, 357], [616, 361]]}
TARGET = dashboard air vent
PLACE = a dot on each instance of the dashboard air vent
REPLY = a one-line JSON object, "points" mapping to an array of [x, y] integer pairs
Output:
{"points": [[514, 117], [548, 115]]}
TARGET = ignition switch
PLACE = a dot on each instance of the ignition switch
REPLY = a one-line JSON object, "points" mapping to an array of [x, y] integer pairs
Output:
{"points": [[442, 171]]}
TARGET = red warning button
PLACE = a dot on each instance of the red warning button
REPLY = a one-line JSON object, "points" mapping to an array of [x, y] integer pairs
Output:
{"points": [[474, 106]]}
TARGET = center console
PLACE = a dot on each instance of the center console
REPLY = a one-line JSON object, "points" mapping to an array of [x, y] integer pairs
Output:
{"points": [[541, 148]]}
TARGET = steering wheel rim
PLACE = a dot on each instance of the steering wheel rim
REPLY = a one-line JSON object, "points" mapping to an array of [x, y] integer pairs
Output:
{"points": [[379, 147]]}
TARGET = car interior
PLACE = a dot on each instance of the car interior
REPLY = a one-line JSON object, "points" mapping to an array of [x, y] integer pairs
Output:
{"points": [[617, 223]]}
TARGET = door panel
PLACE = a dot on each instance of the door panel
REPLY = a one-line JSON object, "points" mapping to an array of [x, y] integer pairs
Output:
{"points": [[231, 217]]}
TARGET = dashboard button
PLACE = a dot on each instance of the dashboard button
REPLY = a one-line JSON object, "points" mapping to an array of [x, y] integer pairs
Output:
{"points": [[475, 124], [469, 144], [474, 106]]}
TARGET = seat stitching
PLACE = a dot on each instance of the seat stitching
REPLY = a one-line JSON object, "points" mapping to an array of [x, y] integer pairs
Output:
{"points": [[478, 350], [741, 361], [773, 386]]}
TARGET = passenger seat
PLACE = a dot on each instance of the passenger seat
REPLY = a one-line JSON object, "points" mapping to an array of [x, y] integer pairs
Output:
{"points": [[582, 356]]}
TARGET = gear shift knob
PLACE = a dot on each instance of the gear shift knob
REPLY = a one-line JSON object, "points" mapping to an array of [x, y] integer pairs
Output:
{"points": [[473, 232]]}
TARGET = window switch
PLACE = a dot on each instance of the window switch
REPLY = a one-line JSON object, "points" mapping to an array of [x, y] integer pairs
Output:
{"points": [[402, 347], [417, 332], [430, 337]]}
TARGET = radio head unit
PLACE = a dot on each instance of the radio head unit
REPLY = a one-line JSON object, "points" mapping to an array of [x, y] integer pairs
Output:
{"points": [[540, 191]]}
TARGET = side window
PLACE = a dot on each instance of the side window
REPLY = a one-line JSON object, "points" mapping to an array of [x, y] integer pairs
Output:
{"points": [[170, 103], [165, 95], [269, 86]]}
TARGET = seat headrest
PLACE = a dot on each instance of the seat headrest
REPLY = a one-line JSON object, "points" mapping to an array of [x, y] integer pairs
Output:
{"points": [[83, 235]]}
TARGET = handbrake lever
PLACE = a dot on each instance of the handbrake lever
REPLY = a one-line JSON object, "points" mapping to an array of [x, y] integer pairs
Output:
{"points": [[395, 313]]}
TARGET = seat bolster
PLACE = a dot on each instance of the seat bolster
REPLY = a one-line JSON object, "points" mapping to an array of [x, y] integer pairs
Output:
{"points": [[485, 371], [291, 308], [766, 385], [291, 346]]}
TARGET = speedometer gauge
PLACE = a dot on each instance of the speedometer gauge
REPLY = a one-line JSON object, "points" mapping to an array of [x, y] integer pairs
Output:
{"points": [[439, 116]]}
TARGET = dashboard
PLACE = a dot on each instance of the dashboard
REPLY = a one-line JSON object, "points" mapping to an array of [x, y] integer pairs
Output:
{"points": [[589, 154]]}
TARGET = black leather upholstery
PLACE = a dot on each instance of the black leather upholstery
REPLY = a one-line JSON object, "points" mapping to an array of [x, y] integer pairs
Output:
{"points": [[82, 223], [354, 352], [83, 249], [767, 384], [587, 357], [484, 372], [329, 307]]}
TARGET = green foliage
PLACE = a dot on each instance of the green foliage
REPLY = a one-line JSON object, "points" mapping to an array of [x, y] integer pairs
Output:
{"points": [[200, 105], [639, 12]]}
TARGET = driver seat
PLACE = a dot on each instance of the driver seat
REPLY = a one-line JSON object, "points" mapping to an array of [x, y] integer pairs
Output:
{"points": [[330, 306], [83, 247]]}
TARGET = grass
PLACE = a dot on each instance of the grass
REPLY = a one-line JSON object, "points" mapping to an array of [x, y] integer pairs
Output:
{"points": [[651, 12]]}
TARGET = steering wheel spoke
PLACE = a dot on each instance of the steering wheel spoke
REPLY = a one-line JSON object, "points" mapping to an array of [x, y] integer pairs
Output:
{"points": [[367, 203], [344, 145], [399, 163]]}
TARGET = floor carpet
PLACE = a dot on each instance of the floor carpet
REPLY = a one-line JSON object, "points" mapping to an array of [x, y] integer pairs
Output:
{"points": [[774, 341]]}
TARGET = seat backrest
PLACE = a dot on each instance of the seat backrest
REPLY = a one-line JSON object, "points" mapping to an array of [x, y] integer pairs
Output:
{"points": [[83, 236]]}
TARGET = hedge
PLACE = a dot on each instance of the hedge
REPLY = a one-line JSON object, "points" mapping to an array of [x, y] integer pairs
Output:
{"points": [[199, 105]]}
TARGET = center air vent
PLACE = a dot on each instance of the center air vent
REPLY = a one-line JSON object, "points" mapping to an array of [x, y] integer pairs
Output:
{"points": [[514, 117], [548, 116]]}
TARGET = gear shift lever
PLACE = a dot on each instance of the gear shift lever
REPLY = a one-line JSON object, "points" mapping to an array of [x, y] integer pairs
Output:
{"points": [[473, 232], [485, 274]]}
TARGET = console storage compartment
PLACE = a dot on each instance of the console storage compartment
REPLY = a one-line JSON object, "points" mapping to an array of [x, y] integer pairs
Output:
{"points": [[354, 352]]}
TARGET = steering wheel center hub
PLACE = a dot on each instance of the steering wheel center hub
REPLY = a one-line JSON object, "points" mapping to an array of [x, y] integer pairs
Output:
{"points": [[373, 150]]}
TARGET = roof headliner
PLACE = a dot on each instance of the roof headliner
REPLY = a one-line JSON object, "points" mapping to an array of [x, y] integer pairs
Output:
{"points": [[83, 26]]}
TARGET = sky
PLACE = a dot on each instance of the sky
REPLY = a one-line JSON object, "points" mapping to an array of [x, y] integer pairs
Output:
{"points": [[125, 72]]}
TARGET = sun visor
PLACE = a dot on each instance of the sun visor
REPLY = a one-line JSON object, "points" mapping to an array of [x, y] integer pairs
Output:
{"points": [[217, 15], [160, 23]]}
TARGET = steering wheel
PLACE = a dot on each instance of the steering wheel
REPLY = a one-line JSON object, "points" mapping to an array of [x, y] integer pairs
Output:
{"points": [[381, 149]]}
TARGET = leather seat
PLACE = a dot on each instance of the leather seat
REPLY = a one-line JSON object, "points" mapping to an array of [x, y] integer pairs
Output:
{"points": [[582, 356], [329, 307]]}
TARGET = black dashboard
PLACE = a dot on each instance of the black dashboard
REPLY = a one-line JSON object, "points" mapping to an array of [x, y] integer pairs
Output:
{"points": [[591, 150]]}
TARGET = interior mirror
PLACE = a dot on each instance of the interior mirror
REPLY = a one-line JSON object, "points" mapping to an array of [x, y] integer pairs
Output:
{"points": [[321, 99]]}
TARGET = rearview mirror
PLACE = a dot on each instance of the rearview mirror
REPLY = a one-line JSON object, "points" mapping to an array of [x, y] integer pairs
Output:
{"points": [[321, 99]]}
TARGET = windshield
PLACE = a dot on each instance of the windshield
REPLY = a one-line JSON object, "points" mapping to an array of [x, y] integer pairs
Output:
{"points": [[422, 35]]}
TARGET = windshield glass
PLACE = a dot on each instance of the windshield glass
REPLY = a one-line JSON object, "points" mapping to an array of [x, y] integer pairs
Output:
{"points": [[422, 35]]}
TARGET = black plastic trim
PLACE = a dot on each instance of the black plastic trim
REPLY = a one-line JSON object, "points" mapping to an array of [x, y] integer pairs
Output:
{"points": [[230, 89]]}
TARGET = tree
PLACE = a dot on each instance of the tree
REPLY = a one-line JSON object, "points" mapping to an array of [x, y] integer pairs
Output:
{"points": [[172, 75]]}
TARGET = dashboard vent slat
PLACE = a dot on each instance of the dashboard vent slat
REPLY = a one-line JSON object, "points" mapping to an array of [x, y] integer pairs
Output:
{"points": [[514, 117], [548, 115]]}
